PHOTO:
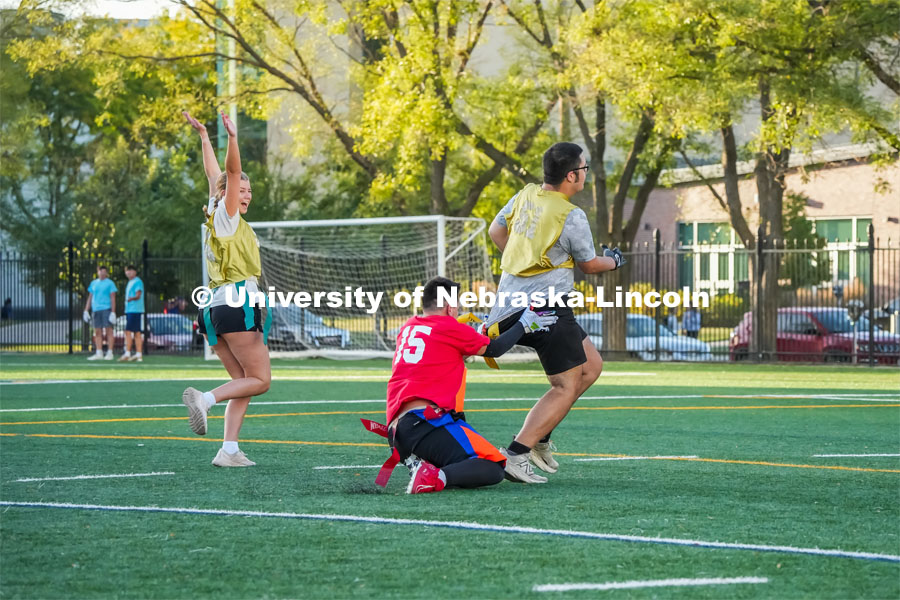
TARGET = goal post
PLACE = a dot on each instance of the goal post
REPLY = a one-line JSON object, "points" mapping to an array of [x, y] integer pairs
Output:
{"points": [[382, 257]]}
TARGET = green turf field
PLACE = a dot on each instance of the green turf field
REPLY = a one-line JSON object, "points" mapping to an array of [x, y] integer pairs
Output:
{"points": [[755, 486]]}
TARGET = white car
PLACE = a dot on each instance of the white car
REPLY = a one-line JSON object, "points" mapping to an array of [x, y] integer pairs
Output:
{"points": [[296, 328], [640, 339]]}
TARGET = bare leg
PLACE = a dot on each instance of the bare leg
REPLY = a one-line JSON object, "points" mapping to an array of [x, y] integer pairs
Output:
{"points": [[98, 339], [139, 342], [237, 407], [128, 336], [565, 389], [253, 356]]}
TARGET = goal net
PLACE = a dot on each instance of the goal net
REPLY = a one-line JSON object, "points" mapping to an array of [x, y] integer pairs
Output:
{"points": [[381, 255]]}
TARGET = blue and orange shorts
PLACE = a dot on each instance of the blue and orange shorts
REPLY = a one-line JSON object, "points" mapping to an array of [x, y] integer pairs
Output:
{"points": [[440, 437]]}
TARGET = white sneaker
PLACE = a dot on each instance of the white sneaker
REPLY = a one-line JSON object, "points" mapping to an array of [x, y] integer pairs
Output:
{"points": [[109, 355], [125, 357], [196, 405], [137, 358], [542, 457], [238, 459], [96, 357], [519, 469]]}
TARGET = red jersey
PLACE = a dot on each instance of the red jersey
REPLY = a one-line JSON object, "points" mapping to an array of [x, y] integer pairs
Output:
{"points": [[428, 362]]}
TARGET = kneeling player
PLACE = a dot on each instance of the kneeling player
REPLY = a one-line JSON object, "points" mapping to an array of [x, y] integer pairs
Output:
{"points": [[426, 392]]}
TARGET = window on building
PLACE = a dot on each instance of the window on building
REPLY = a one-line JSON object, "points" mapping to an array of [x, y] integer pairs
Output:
{"points": [[722, 273], [713, 233], [686, 269], [686, 234], [862, 230], [835, 230], [843, 264], [741, 266]]}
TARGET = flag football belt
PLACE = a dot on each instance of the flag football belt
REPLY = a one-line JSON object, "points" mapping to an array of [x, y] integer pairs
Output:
{"points": [[430, 413], [492, 332]]}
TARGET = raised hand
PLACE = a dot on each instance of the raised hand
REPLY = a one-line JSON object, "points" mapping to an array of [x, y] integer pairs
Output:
{"points": [[197, 125], [229, 125], [614, 254]]}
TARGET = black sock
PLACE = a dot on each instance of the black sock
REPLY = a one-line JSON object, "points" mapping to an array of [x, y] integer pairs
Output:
{"points": [[472, 473], [546, 438], [517, 448]]}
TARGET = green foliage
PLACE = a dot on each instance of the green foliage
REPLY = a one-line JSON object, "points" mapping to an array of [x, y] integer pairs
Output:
{"points": [[725, 310], [802, 269]]}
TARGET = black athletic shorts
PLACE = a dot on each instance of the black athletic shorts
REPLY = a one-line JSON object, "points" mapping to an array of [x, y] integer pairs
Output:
{"points": [[559, 349], [228, 319]]}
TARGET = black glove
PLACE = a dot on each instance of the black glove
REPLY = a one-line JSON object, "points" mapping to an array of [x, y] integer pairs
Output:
{"points": [[614, 254]]}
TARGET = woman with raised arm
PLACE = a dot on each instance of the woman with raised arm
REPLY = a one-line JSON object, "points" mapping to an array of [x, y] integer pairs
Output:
{"points": [[236, 333]]}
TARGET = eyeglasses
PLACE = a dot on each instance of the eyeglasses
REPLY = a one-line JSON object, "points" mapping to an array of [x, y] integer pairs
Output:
{"points": [[585, 168]]}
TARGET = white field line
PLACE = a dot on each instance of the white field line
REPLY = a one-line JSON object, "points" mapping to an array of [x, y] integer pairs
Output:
{"points": [[850, 455], [348, 467], [468, 400], [468, 526], [380, 377], [154, 474], [630, 585], [605, 458]]}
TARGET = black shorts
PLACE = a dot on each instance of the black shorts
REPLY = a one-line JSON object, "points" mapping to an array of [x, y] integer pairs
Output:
{"points": [[134, 322], [559, 349], [443, 440], [228, 319]]}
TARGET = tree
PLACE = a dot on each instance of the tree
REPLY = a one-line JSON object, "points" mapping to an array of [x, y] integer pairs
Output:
{"points": [[794, 61], [46, 148], [418, 117]]}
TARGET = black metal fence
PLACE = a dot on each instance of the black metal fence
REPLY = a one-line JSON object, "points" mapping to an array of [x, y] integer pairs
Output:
{"points": [[777, 301], [838, 302], [44, 297]]}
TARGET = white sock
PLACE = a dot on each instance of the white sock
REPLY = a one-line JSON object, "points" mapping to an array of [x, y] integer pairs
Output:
{"points": [[230, 447], [210, 399], [138, 354], [127, 354], [99, 352]]}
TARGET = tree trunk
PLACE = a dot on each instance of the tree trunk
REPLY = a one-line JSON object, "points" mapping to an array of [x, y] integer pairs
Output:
{"points": [[438, 197]]}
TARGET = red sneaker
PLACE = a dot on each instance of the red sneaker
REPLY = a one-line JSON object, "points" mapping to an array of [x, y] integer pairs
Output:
{"points": [[425, 478]]}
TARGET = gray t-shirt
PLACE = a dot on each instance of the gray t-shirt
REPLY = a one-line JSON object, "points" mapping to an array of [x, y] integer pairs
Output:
{"points": [[575, 241]]}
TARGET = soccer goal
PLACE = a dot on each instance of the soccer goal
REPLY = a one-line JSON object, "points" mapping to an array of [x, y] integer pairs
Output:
{"points": [[387, 255]]}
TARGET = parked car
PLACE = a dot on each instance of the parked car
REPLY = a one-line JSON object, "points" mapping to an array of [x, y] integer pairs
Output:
{"points": [[818, 334], [168, 333], [297, 328], [640, 338]]}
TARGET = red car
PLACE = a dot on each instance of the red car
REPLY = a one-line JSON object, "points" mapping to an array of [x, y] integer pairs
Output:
{"points": [[816, 334]]}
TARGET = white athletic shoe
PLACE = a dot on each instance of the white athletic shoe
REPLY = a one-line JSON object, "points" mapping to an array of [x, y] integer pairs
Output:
{"points": [[519, 469], [238, 459], [108, 356], [542, 457], [125, 358], [95, 357], [196, 405], [135, 358]]}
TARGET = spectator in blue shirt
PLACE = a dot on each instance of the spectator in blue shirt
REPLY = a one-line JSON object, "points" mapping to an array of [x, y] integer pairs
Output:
{"points": [[101, 301], [691, 322], [134, 316]]}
